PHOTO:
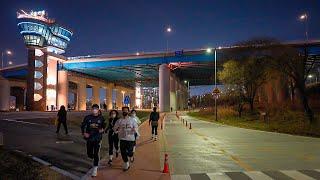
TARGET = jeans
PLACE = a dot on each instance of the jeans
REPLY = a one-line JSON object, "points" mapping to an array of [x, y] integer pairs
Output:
{"points": [[154, 130], [113, 142], [93, 148], [126, 148], [64, 123]]}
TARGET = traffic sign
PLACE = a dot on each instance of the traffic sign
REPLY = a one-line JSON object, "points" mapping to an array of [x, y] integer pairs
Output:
{"points": [[216, 91], [126, 100]]}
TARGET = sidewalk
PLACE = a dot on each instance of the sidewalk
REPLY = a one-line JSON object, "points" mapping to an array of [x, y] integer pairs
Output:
{"points": [[147, 163]]}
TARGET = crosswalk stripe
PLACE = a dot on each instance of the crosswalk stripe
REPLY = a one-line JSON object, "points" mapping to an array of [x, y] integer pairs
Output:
{"points": [[311, 173], [238, 176], [218, 176], [257, 175], [296, 175], [180, 177]]}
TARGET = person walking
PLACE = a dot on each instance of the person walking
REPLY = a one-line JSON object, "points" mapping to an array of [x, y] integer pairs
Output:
{"points": [[113, 138], [62, 119], [153, 120], [92, 128], [133, 115], [126, 127]]}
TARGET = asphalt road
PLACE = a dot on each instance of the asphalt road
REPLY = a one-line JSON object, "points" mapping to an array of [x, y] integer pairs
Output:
{"points": [[33, 134], [209, 149]]}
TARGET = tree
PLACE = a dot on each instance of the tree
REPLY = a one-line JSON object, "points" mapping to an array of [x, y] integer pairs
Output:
{"points": [[294, 64], [244, 77]]}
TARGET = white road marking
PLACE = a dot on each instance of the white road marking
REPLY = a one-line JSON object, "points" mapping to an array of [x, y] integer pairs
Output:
{"points": [[180, 177], [296, 175], [257, 175], [23, 122], [65, 173], [218, 176], [41, 161]]}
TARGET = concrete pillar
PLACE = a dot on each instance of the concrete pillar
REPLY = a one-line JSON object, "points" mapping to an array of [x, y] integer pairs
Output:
{"points": [[4, 94], [96, 95], [132, 100], [82, 96], [173, 97], [164, 88], [63, 88], [119, 98], [109, 98]]}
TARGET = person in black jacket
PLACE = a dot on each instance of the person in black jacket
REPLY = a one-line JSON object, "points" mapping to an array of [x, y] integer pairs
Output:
{"points": [[62, 119], [92, 129], [113, 138], [153, 120]]}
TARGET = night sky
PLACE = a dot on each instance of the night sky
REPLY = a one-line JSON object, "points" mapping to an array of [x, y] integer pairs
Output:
{"points": [[103, 27]]}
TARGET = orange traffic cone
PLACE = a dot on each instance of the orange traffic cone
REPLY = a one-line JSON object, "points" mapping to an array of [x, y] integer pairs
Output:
{"points": [[166, 164]]}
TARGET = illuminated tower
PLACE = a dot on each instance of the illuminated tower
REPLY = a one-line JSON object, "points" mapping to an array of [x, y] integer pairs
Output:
{"points": [[45, 41]]}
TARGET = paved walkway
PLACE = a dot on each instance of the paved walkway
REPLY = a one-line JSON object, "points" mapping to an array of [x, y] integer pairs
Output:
{"points": [[147, 164], [214, 151]]}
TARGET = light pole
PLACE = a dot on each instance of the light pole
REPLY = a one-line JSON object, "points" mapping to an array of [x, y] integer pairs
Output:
{"points": [[168, 31], [216, 91], [2, 57], [304, 18]]}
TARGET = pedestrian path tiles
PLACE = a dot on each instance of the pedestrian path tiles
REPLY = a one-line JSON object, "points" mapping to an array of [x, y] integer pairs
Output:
{"points": [[253, 175]]}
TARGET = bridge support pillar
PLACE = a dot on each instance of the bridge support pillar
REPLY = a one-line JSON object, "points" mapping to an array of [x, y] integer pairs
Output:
{"points": [[4, 94], [173, 95], [96, 95], [109, 98], [82, 96], [164, 88], [63, 88], [119, 98]]}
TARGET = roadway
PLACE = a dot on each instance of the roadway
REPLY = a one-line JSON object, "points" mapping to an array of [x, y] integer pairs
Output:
{"points": [[214, 151], [34, 134]]}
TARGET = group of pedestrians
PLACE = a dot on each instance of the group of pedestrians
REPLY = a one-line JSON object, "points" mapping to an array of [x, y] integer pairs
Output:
{"points": [[121, 130]]}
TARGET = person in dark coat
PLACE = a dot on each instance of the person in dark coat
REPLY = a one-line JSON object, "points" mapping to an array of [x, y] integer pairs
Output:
{"points": [[62, 119], [113, 138], [153, 121], [92, 128]]}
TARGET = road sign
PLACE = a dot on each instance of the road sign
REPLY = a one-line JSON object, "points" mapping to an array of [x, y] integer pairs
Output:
{"points": [[178, 53], [216, 91], [126, 100]]}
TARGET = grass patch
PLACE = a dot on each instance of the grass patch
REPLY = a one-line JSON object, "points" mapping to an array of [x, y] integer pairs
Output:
{"points": [[14, 165], [283, 121]]}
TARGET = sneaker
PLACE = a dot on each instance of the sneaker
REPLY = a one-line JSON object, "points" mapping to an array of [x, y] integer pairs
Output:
{"points": [[94, 171], [126, 166], [155, 138], [110, 162], [132, 159]]}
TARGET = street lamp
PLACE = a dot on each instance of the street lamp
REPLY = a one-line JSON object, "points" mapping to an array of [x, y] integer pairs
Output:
{"points": [[10, 62], [304, 18], [8, 52], [168, 31]]}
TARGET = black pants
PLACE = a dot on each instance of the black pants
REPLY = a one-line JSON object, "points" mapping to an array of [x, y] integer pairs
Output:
{"points": [[154, 130], [113, 140], [93, 148], [64, 125], [126, 148]]}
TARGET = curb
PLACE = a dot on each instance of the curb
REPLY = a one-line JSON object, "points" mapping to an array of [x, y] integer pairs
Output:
{"points": [[45, 163]]}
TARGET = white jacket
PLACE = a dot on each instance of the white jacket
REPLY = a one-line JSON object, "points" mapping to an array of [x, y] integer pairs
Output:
{"points": [[126, 128]]}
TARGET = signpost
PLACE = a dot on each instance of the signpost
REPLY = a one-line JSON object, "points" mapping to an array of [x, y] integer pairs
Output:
{"points": [[216, 92]]}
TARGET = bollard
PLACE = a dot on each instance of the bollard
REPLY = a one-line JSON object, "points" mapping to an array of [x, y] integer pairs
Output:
{"points": [[183, 121], [186, 123], [190, 126]]}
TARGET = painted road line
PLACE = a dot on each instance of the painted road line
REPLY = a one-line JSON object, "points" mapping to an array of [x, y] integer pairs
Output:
{"points": [[312, 173], [296, 175], [64, 142], [277, 175], [180, 177], [199, 176], [238, 176], [41, 161], [23, 122], [218, 176], [258, 175], [65, 173]]}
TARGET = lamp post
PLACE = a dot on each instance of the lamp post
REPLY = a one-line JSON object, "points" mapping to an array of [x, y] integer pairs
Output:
{"points": [[2, 57], [216, 91], [304, 18], [168, 31]]}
